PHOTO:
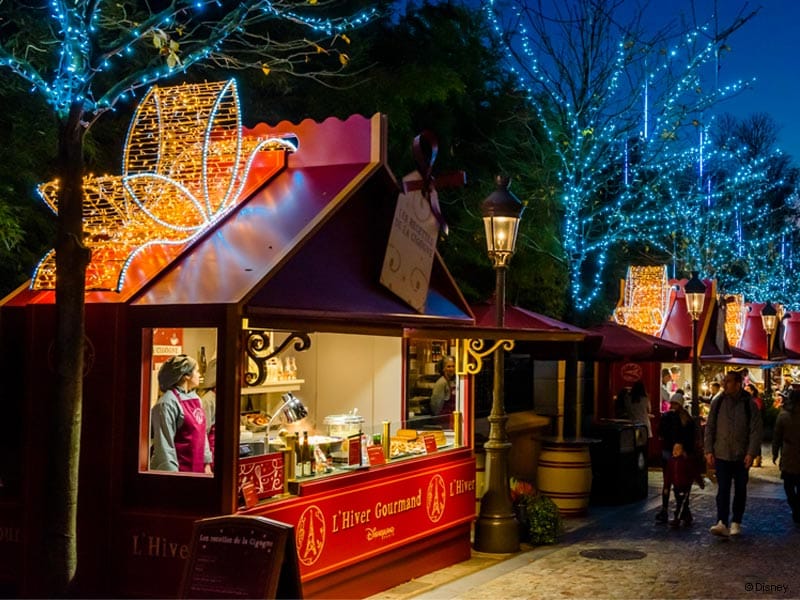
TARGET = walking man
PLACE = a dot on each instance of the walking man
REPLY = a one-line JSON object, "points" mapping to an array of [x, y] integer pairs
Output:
{"points": [[786, 444], [732, 440]]}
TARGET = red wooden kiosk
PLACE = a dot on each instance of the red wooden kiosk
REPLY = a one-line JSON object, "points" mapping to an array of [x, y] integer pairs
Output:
{"points": [[295, 256]]}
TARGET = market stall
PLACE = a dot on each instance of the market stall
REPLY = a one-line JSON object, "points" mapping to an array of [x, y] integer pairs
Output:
{"points": [[270, 273]]}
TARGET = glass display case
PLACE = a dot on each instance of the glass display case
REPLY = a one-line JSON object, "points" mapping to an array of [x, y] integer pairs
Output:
{"points": [[328, 414]]}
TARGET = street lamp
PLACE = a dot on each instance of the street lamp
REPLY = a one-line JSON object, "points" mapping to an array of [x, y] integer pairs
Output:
{"points": [[695, 291], [496, 529], [769, 319]]}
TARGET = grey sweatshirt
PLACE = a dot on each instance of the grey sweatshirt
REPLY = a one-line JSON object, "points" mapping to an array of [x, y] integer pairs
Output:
{"points": [[728, 434]]}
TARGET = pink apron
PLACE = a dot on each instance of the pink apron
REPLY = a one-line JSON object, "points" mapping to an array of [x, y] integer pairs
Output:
{"points": [[190, 439], [450, 404]]}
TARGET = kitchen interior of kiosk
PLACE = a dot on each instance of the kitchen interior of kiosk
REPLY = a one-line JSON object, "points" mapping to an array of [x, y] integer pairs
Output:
{"points": [[348, 384]]}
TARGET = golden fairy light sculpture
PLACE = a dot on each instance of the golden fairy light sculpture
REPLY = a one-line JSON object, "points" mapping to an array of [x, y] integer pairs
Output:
{"points": [[735, 314], [185, 165], [645, 299]]}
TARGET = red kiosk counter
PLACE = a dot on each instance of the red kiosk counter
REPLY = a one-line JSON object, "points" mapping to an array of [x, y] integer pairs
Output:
{"points": [[277, 295]]}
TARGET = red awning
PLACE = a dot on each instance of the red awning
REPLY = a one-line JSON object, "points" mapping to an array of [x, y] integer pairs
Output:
{"points": [[623, 343], [542, 336], [519, 318]]}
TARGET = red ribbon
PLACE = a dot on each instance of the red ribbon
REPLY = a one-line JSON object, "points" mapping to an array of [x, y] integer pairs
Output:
{"points": [[425, 156]]}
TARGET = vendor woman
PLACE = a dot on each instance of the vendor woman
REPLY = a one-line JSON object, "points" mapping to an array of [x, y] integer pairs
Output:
{"points": [[180, 440]]}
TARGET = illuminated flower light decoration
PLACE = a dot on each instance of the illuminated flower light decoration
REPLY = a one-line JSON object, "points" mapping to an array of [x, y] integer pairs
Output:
{"points": [[735, 314], [184, 167], [645, 299]]}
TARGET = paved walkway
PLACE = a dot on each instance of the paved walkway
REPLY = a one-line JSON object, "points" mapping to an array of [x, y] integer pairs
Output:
{"points": [[639, 558]]}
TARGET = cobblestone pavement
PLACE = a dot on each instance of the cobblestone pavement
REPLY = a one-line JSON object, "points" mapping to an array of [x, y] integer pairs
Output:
{"points": [[661, 562]]}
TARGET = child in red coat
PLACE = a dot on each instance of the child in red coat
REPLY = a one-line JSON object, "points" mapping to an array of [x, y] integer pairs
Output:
{"points": [[680, 474]]}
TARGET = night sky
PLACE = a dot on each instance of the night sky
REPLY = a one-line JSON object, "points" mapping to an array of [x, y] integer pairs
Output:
{"points": [[766, 49]]}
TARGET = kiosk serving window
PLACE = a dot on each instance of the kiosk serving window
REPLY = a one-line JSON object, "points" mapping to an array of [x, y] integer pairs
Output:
{"points": [[179, 399], [326, 406]]}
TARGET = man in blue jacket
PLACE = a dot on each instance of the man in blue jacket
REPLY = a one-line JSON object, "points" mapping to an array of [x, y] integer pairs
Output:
{"points": [[732, 440]]}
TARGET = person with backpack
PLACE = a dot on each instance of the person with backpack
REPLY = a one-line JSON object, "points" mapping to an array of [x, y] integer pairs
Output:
{"points": [[786, 444], [759, 402], [732, 440]]}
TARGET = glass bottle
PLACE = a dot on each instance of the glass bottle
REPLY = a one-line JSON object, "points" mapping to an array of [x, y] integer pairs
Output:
{"points": [[306, 456], [298, 457], [290, 368], [272, 369], [364, 454], [202, 364]]}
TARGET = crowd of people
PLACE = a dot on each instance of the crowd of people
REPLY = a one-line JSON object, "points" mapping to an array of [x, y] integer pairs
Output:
{"points": [[724, 442]]}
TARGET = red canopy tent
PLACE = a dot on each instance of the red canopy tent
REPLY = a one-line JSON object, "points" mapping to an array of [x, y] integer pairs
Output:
{"points": [[623, 343], [518, 318]]}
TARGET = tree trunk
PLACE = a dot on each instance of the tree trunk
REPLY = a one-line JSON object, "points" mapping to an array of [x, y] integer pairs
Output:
{"points": [[72, 258]]}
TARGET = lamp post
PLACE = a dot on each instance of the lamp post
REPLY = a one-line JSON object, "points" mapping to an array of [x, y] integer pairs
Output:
{"points": [[695, 291], [769, 319], [496, 529]]}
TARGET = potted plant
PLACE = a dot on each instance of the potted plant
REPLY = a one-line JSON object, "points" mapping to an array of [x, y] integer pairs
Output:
{"points": [[538, 516]]}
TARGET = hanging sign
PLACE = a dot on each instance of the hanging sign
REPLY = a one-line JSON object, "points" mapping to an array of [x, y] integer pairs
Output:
{"points": [[412, 244], [415, 229], [167, 342], [631, 372]]}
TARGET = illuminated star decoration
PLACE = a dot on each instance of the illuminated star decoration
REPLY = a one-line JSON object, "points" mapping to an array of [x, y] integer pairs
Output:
{"points": [[184, 167]]}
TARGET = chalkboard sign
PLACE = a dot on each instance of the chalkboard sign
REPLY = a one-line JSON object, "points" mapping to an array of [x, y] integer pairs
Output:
{"points": [[242, 557]]}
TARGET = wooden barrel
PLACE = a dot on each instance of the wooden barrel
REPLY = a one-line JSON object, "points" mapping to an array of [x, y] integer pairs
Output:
{"points": [[565, 476]]}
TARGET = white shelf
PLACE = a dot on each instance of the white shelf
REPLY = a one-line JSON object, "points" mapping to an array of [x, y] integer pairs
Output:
{"points": [[290, 385]]}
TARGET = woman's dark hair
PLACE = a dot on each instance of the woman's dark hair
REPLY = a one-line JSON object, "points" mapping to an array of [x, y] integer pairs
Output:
{"points": [[442, 362], [637, 391], [792, 400]]}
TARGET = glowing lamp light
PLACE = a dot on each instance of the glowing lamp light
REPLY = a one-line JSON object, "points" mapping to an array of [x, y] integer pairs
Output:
{"points": [[695, 291], [695, 296], [769, 318], [501, 213]]}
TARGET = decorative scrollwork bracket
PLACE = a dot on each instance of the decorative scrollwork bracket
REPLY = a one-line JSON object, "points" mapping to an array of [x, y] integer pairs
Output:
{"points": [[470, 354], [258, 347]]}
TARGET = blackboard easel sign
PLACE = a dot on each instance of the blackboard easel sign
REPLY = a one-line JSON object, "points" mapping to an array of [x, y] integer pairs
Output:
{"points": [[242, 557]]}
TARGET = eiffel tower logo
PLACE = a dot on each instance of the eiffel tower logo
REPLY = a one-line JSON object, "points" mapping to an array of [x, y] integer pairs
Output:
{"points": [[311, 535], [435, 498]]}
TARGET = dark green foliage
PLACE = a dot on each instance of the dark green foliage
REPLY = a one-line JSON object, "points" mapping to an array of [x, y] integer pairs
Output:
{"points": [[540, 519], [26, 224], [432, 69]]}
